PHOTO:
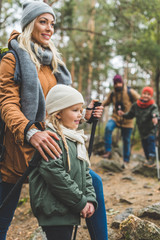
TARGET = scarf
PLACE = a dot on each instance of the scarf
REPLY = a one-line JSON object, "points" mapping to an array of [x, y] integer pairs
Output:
{"points": [[32, 97], [75, 136], [44, 56], [144, 104]]}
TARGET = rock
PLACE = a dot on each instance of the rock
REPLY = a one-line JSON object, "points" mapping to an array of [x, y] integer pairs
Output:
{"points": [[39, 234], [98, 147], [111, 211], [145, 170], [133, 228], [119, 151], [116, 156], [110, 165], [147, 185], [120, 217], [122, 200], [152, 211], [112, 234], [129, 178], [137, 157]]}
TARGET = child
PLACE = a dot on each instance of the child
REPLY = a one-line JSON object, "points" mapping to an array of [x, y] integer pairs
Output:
{"points": [[61, 189], [146, 113]]}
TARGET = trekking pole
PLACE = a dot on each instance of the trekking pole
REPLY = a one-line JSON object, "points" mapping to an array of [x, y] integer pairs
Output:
{"points": [[157, 152], [94, 124], [32, 164]]}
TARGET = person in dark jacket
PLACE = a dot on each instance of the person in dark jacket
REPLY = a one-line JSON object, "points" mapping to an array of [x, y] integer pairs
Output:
{"points": [[146, 113], [61, 189]]}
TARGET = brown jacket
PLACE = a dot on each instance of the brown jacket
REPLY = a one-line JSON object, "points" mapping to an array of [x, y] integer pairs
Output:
{"points": [[18, 153], [125, 99]]}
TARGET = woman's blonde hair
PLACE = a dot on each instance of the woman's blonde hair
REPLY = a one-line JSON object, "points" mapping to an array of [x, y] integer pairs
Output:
{"points": [[25, 39], [56, 124]]}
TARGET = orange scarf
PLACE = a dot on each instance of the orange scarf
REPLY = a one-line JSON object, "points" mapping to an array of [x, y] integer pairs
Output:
{"points": [[144, 104]]}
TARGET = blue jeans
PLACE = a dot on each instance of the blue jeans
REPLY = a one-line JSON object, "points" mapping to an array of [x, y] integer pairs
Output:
{"points": [[7, 213], [126, 136], [97, 224], [149, 146]]}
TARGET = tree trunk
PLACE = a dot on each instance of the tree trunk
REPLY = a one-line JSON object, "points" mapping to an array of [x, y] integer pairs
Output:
{"points": [[80, 78], [0, 12], [157, 78], [72, 71], [91, 26]]}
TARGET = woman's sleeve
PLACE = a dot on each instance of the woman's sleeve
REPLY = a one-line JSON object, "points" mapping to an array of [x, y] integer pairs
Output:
{"points": [[10, 106]]}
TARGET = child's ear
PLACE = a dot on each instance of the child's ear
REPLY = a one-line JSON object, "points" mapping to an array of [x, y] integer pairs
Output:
{"points": [[58, 116]]}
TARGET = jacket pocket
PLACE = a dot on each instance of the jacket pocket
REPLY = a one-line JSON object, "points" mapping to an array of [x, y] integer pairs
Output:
{"points": [[44, 202], [50, 205]]}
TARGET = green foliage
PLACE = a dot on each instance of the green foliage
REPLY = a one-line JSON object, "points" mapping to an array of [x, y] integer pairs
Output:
{"points": [[22, 201], [3, 50], [8, 18]]}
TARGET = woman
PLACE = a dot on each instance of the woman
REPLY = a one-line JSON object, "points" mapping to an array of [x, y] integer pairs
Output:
{"points": [[22, 105]]}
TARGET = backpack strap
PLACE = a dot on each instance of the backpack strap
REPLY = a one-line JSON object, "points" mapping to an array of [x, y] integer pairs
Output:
{"points": [[130, 94], [17, 73], [111, 96]]}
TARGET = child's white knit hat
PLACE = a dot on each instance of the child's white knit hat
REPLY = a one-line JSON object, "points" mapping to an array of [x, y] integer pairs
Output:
{"points": [[61, 96]]}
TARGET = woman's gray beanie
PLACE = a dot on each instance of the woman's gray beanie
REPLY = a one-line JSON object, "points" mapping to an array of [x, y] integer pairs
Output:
{"points": [[62, 96], [33, 9]]}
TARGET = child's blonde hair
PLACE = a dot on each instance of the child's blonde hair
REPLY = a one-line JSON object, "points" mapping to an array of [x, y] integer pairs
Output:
{"points": [[25, 39], [52, 118]]}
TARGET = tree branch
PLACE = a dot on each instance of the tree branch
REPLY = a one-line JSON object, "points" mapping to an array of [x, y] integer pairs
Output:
{"points": [[80, 30]]}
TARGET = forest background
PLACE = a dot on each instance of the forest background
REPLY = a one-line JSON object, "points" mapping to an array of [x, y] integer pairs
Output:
{"points": [[101, 38]]}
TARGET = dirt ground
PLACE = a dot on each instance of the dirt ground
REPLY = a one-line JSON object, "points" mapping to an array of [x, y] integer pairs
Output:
{"points": [[139, 192]]}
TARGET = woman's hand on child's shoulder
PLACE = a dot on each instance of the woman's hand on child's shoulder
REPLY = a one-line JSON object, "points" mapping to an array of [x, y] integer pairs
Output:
{"points": [[44, 143]]}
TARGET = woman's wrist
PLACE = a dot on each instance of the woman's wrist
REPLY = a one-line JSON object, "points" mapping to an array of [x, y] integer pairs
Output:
{"points": [[30, 133]]}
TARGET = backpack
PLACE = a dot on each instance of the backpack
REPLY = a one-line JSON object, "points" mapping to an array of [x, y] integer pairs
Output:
{"points": [[129, 94], [17, 77]]}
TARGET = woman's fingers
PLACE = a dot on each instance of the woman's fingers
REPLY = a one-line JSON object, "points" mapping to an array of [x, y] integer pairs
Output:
{"points": [[98, 111], [45, 144]]}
